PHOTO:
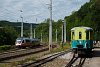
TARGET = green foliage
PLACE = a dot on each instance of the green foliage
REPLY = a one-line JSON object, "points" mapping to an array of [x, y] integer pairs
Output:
{"points": [[88, 15], [9, 31], [7, 36], [5, 47]]}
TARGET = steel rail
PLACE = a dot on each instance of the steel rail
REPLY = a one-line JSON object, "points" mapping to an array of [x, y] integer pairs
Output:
{"points": [[72, 61], [21, 53], [39, 62], [82, 60]]}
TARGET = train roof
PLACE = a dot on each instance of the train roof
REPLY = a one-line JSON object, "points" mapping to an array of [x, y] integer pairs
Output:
{"points": [[35, 39], [87, 28], [21, 38]]}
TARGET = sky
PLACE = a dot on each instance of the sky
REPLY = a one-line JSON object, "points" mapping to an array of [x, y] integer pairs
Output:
{"points": [[36, 11]]}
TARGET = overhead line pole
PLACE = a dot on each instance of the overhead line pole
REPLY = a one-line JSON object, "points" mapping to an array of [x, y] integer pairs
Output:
{"points": [[56, 36], [50, 27], [64, 31], [34, 33], [41, 37], [31, 32], [22, 27], [62, 34]]}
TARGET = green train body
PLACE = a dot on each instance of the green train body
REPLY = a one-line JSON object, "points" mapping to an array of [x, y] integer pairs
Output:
{"points": [[82, 39]]}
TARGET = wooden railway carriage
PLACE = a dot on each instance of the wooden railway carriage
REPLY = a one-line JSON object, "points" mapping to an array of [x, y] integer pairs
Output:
{"points": [[82, 40]]}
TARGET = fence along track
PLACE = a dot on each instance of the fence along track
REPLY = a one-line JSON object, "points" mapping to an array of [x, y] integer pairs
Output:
{"points": [[39, 62]]}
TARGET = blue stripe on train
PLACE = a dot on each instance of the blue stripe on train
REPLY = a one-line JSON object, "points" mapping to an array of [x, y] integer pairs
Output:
{"points": [[85, 43]]}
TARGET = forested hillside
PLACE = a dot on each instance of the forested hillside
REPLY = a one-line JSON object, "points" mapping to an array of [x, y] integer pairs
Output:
{"points": [[88, 15], [9, 31]]}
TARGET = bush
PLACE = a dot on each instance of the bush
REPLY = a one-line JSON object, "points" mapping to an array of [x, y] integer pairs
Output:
{"points": [[5, 47]]}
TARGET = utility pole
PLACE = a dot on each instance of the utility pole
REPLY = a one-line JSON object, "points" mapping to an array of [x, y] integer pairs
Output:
{"points": [[41, 37], [62, 35], [22, 27], [64, 31], [34, 33], [56, 35], [21, 24], [31, 32], [50, 27]]}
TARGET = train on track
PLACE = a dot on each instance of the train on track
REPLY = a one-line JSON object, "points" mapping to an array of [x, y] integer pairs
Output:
{"points": [[26, 42], [82, 40]]}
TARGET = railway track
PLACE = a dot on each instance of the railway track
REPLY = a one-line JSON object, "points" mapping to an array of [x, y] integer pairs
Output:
{"points": [[75, 63], [39, 62], [21, 52]]}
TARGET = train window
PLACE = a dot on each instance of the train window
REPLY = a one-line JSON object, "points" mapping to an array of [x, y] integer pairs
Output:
{"points": [[91, 35], [27, 40], [80, 35], [73, 35], [87, 35], [23, 41]]}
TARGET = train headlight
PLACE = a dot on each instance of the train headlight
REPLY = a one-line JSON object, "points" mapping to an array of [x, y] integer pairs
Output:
{"points": [[80, 42], [86, 45]]}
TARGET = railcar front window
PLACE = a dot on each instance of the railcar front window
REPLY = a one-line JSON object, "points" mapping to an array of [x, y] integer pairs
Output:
{"points": [[80, 35], [91, 35], [18, 41], [87, 35], [73, 35], [27, 40]]}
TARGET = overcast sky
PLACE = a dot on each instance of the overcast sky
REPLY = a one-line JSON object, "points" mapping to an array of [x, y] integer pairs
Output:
{"points": [[32, 9]]}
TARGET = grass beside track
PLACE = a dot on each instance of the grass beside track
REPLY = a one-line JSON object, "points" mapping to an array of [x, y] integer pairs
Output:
{"points": [[6, 47], [33, 58], [61, 48]]}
